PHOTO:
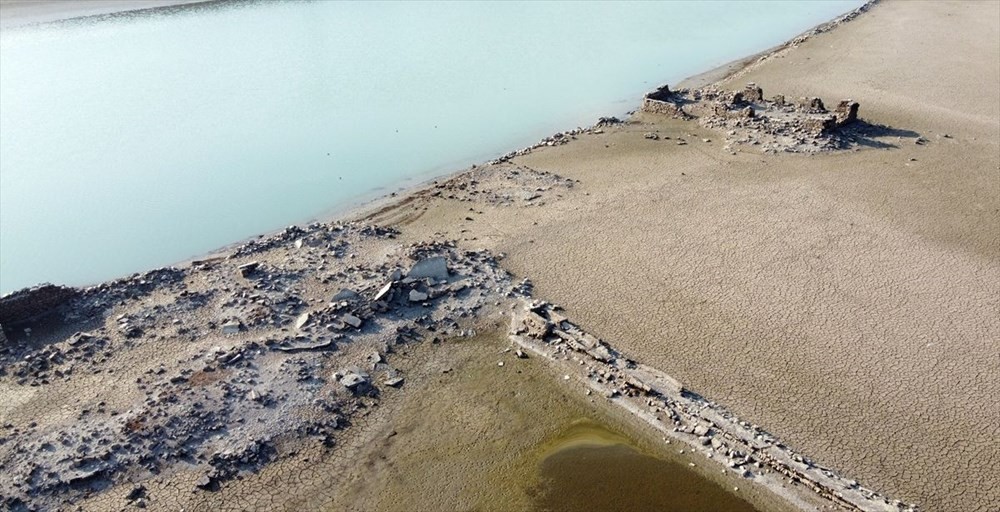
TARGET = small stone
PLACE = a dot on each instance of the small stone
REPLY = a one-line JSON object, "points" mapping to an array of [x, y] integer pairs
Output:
{"points": [[231, 327], [417, 296], [248, 268], [394, 382], [302, 320], [205, 482], [382, 293], [345, 294], [137, 492], [352, 320], [353, 380]]}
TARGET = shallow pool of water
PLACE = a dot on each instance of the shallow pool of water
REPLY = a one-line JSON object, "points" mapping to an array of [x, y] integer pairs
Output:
{"points": [[136, 141], [592, 468]]}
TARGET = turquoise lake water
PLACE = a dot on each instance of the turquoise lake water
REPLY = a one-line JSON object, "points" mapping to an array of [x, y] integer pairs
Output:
{"points": [[132, 142]]}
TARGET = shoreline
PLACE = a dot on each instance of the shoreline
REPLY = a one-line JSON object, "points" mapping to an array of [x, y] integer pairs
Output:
{"points": [[392, 207], [371, 204], [19, 13]]}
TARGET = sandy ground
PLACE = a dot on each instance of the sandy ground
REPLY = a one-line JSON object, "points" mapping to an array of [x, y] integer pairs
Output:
{"points": [[850, 302]]}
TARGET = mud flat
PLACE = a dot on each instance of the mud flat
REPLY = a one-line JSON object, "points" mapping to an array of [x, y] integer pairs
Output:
{"points": [[803, 300]]}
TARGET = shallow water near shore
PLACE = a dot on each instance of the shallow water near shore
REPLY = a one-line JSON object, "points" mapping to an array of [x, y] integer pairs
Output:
{"points": [[135, 141], [589, 467]]}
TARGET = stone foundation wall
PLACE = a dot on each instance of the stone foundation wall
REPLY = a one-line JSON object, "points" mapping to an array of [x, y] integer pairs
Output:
{"points": [[29, 303], [662, 107]]}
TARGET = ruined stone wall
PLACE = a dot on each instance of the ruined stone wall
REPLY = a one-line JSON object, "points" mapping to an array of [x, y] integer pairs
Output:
{"points": [[662, 107], [29, 303]]}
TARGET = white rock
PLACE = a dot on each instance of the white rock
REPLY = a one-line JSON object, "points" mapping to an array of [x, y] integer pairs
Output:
{"points": [[302, 320]]}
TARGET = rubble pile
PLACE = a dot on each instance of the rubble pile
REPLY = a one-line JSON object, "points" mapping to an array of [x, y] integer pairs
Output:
{"points": [[748, 118], [222, 364], [503, 185]]}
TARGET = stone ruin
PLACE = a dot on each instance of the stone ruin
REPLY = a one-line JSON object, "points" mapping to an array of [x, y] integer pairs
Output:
{"points": [[30, 303], [749, 118], [663, 101]]}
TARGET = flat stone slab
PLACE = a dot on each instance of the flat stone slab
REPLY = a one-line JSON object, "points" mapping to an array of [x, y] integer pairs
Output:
{"points": [[231, 327], [436, 267], [302, 320], [346, 294], [302, 344], [352, 320]]}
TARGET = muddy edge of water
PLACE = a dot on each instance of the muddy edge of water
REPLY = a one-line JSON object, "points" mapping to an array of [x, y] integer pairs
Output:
{"points": [[469, 434]]}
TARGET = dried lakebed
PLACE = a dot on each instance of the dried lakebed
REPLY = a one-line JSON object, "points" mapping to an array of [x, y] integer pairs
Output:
{"points": [[320, 366], [184, 387]]}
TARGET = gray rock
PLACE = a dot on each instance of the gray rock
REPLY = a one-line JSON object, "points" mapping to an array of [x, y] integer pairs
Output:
{"points": [[205, 482], [394, 382], [346, 294], [351, 320], [352, 380], [436, 267], [417, 296], [231, 327], [248, 268], [137, 492]]}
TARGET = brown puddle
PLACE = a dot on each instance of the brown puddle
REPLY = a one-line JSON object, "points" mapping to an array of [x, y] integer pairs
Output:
{"points": [[592, 468]]}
